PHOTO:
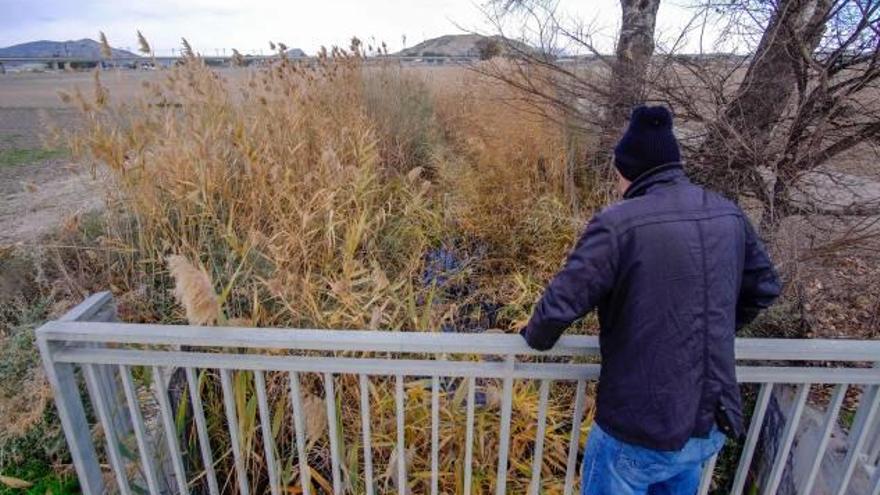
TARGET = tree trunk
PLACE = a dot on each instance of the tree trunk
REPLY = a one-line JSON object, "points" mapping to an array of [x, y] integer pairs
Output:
{"points": [[737, 144], [635, 47]]}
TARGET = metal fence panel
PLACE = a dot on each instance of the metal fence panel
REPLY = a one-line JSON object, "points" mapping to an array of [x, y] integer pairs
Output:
{"points": [[107, 351]]}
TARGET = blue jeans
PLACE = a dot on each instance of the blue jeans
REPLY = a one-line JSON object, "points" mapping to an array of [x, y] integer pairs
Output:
{"points": [[612, 467]]}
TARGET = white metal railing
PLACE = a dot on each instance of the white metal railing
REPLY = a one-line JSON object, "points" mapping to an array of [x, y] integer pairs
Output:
{"points": [[106, 351]]}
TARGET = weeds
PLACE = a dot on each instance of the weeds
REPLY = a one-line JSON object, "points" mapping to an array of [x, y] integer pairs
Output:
{"points": [[12, 157], [31, 442], [336, 195]]}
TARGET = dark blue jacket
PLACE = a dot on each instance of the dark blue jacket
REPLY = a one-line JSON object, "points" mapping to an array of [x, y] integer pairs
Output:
{"points": [[674, 271]]}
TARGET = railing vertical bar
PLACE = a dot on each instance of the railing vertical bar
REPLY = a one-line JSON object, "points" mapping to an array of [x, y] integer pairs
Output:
{"points": [[234, 437], [435, 435], [365, 428], [266, 430], [170, 431], [469, 436], [110, 390], [104, 416], [330, 400], [871, 401], [745, 460], [140, 431], [401, 448], [706, 477], [537, 460], [875, 482], [195, 397], [874, 449], [828, 426], [779, 463], [575, 440], [504, 433], [299, 431], [860, 418]]}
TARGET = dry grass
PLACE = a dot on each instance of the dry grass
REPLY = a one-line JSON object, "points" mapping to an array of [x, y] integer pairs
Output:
{"points": [[316, 196]]}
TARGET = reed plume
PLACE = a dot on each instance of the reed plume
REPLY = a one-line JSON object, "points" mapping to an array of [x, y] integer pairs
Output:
{"points": [[237, 58], [315, 413], [143, 45], [186, 49], [106, 51], [194, 290]]}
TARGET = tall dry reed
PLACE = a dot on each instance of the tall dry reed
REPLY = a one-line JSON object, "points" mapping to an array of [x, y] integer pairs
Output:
{"points": [[315, 195]]}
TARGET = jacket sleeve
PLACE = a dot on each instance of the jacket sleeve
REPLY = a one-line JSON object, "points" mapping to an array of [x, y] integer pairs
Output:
{"points": [[588, 275], [760, 283]]}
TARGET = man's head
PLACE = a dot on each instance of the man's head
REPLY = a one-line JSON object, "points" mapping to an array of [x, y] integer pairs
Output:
{"points": [[647, 144]]}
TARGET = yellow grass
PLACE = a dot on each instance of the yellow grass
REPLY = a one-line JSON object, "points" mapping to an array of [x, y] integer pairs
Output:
{"points": [[310, 196]]}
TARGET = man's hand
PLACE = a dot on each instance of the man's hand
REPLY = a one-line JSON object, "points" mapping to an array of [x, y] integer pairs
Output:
{"points": [[538, 345]]}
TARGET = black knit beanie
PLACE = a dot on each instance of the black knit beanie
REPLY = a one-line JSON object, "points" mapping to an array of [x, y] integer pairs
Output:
{"points": [[647, 143]]}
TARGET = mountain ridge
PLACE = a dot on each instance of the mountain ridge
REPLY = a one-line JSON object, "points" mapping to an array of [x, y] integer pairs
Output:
{"points": [[465, 45], [82, 48]]}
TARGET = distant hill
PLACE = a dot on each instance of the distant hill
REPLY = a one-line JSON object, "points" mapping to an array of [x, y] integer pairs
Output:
{"points": [[296, 53], [464, 45], [84, 48]]}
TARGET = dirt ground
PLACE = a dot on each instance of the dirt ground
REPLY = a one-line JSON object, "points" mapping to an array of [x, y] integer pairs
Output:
{"points": [[40, 187], [37, 194]]}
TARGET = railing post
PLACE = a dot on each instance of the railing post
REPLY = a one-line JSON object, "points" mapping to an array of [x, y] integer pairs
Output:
{"points": [[69, 403], [575, 439], [504, 427], [873, 448], [76, 428]]}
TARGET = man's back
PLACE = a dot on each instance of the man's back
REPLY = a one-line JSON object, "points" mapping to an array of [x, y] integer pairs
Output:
{"points": [[668, 323], [673, 270]]}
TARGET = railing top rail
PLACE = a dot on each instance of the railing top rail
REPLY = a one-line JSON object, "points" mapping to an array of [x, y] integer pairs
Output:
{"points": [[426, 367], [418, 342], [309, 339]]}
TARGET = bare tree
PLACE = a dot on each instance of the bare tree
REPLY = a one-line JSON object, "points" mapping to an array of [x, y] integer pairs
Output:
{"points": [[779, 64], [807, 96], [596, 96], [764, 123], [627, 88]]}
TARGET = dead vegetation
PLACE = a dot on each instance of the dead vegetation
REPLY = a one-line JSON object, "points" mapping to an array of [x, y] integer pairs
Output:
{"points": [[334, 195]]}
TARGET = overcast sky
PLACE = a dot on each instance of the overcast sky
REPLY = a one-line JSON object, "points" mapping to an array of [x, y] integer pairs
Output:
{"points": [[248, 25]]}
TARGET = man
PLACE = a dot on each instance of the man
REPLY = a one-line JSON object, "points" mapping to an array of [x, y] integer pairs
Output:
{"points": [[674, 271]]}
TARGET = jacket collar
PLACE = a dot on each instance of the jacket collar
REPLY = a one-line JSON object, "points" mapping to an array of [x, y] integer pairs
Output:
{"points": [[670, 173]]}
